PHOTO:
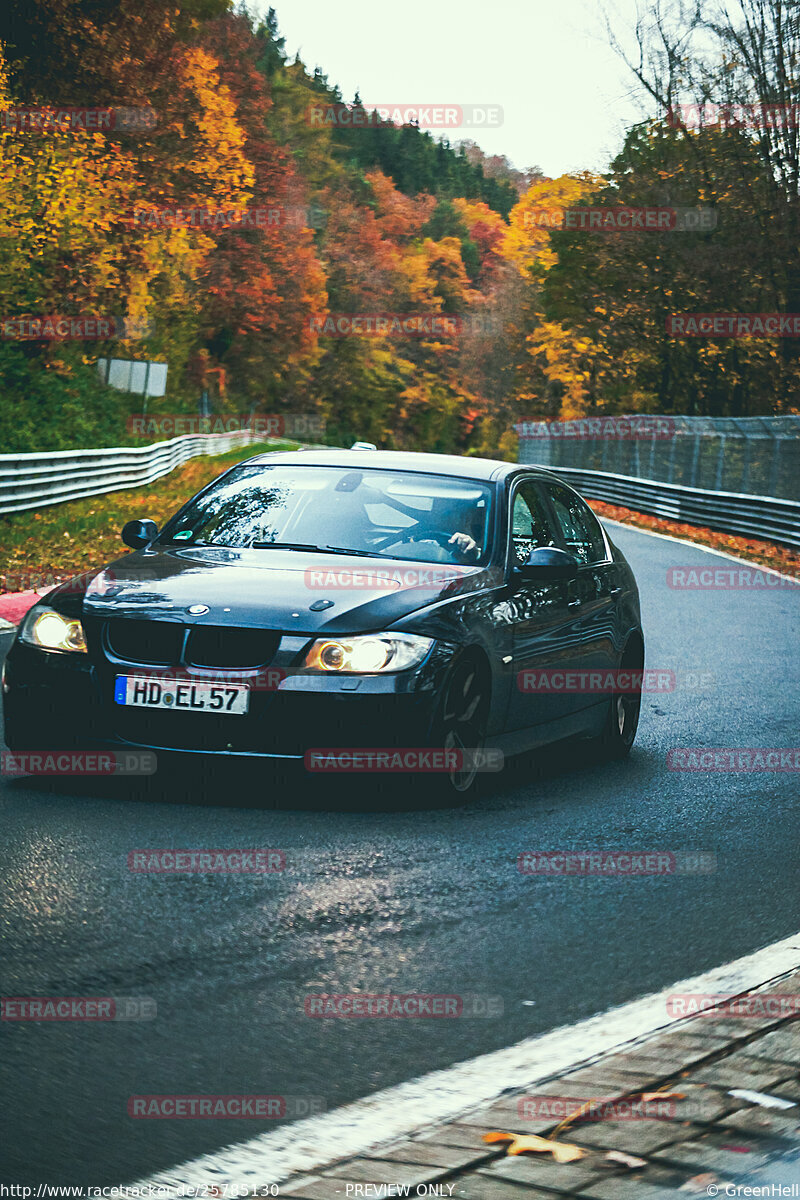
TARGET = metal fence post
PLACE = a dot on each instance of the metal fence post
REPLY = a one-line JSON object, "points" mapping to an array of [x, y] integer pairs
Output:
{"points": [[723, 438], [672, 450], [773, 474], [748, 442], [695, 460]]}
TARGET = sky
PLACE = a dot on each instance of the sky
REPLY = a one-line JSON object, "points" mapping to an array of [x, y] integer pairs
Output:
{"points": [[566, 97]]}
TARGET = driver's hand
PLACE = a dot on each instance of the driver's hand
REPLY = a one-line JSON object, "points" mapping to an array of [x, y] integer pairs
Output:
{"points": [[464, 542]]}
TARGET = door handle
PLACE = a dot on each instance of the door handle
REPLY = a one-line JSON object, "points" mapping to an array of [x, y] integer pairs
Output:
{"points": [[574, 604], [616, 592]]}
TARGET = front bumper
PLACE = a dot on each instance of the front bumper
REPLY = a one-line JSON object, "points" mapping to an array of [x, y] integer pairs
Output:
{"points": [[66, 701]]}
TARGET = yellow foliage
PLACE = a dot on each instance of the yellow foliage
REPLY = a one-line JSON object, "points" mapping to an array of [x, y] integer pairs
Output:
{"points": [[219, 163], [474, 212], [568, 359], [527, 239]]}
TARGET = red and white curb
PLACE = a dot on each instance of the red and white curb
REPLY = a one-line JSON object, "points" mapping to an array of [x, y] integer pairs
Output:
{"points": [[14, 605]]}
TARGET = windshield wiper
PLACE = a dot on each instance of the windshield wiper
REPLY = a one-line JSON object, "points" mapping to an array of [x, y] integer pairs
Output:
{"points": [[309, 546], [358, 553], [281, 546]]}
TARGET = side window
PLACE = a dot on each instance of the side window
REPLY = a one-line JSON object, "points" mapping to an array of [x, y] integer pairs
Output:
{"points": [[579, 526], [530, 525]]}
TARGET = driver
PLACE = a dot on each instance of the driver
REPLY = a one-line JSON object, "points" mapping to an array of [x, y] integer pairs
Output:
{"points": [[464, 543], [451, 529]]}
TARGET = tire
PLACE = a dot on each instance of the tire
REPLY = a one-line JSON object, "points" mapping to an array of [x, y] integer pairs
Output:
{"points": [[461, 723], [622, 720]]}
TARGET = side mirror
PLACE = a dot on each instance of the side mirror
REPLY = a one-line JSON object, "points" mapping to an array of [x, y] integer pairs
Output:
{"points": [[139, 533], [548, 564]]}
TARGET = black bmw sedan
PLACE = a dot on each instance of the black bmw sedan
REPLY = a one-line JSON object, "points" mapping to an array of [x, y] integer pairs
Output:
{"points": [[353, 610]]}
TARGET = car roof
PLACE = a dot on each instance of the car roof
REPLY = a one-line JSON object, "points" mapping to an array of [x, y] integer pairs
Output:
{"points": [[487, 469]]}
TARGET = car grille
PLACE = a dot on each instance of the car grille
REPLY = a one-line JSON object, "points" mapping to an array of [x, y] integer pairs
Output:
{"points": [[209, 646], [160, 643]]}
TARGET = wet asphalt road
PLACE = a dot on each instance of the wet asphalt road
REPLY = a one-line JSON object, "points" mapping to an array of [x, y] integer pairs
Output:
{"points": [[378, 900]]}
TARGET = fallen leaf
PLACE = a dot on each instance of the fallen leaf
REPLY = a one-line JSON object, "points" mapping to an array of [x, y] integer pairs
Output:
{"points": [[562, 1152]]}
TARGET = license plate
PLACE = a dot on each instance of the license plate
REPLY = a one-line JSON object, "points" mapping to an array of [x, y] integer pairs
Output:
{"points": [[198, 696]]}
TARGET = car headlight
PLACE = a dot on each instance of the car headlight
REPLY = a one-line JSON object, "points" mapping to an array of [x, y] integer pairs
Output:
{"points": [[48, 630], [370, 654]]}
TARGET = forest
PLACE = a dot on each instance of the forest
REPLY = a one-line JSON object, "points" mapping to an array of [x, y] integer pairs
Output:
{"points": [[162, 180]]}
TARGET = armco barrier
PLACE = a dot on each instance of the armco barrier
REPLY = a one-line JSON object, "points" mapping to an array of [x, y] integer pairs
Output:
{"points": [[35, 480], [751, 516]]}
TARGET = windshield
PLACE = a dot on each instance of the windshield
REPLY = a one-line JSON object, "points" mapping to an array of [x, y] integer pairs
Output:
{"points": [[425, 518]]}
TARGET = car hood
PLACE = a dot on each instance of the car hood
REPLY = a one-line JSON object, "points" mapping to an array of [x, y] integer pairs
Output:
{"points": [[288, 590]]}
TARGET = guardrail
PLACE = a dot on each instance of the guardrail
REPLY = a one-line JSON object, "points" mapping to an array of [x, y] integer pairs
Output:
{"points": [[36, 480], [751, 516]]}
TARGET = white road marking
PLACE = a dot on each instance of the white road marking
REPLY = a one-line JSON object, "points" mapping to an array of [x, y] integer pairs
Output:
{"points": [[443, 1095]]}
